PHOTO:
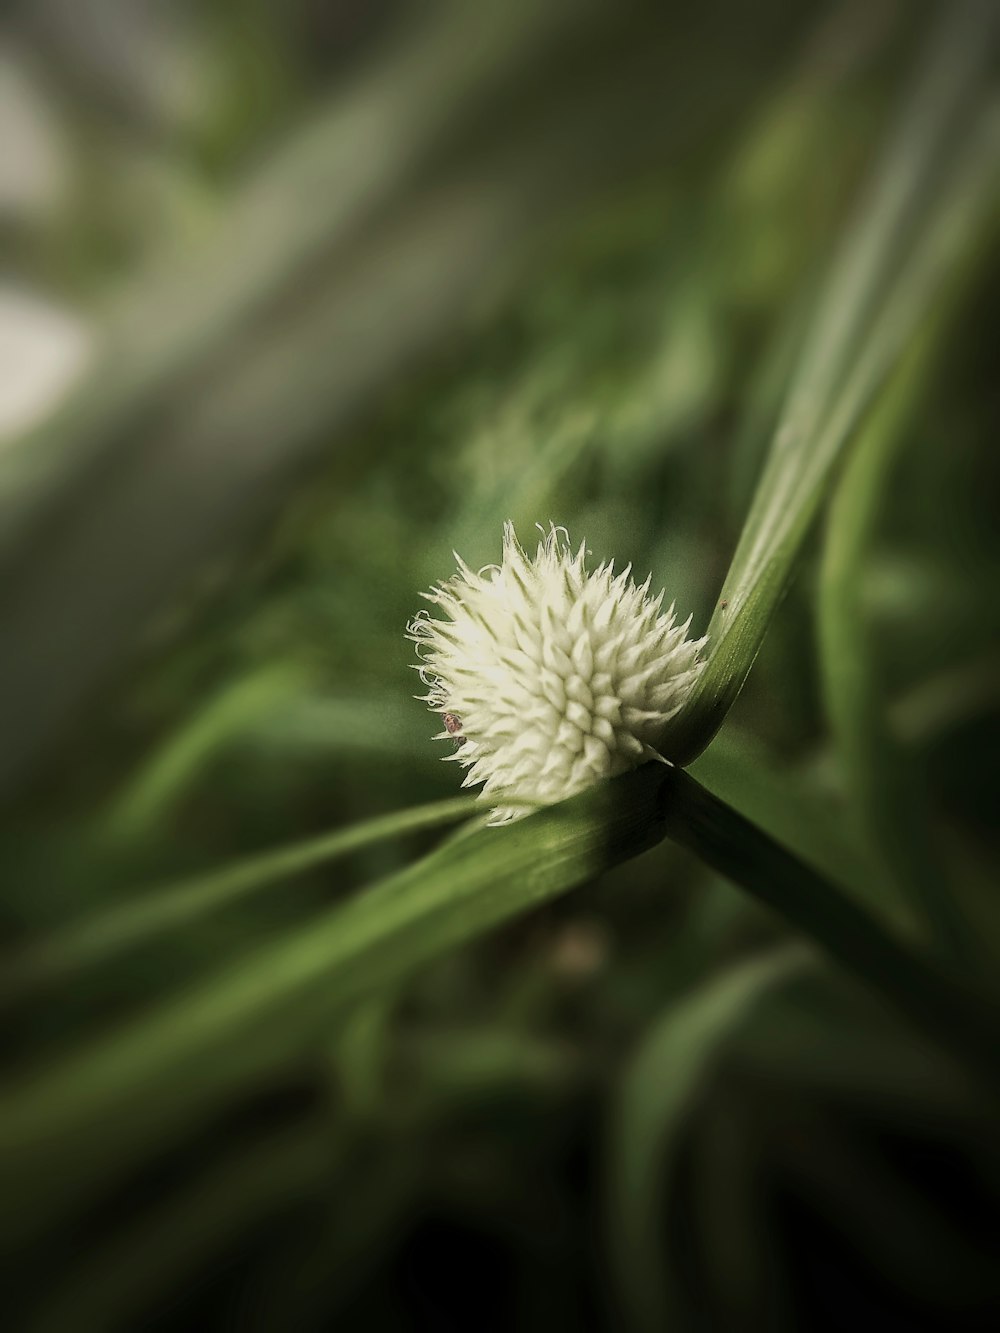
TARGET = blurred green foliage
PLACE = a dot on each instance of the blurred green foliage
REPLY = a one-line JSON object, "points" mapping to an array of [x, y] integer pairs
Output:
{"points": [[643, 1104]]}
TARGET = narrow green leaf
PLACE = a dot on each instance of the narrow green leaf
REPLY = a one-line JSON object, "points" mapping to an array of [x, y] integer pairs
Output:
{"points": [[918, 210], [884, 791], [656, 1095], [175, 764], [75, 1124], [788, 804], [182, 904], [84, 1120], [844, 1050], [937, 1002]]}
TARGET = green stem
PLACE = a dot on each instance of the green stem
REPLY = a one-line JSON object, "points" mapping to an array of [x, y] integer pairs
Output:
{"points": [[967, 1024], [888, 798], [181, 904]]}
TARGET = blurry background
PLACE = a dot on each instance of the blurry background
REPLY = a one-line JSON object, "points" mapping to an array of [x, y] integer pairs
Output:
{"points": [[295, 299]]}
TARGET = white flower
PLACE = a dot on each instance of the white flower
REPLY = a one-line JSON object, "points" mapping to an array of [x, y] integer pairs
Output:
{"points": [[549, 678]]}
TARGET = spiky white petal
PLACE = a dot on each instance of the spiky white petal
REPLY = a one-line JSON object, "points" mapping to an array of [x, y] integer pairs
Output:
{"points": [[548, 676]]}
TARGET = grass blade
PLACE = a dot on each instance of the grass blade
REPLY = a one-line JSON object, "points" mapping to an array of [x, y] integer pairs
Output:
{"points": [[85, 1120], [173, 766], [171, 907], [68, 1129], [884, 792], [783, 802], [880, 285], [660, 1084], [936, 1002]]}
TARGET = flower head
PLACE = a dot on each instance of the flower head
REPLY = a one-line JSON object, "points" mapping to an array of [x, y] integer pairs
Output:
{"points": [[548, 677]]}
